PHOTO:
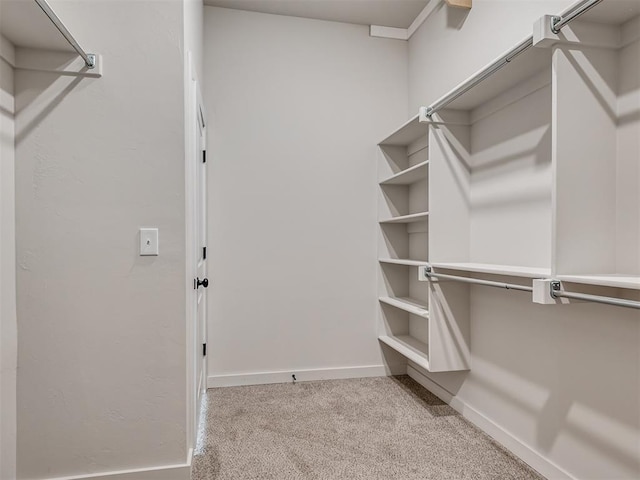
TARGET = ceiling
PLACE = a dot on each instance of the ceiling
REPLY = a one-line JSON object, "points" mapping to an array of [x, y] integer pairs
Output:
{"points": [[388, 13]]}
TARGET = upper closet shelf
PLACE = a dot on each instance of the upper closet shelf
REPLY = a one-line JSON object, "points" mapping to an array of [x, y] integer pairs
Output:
{"points": [[605, 280], [509, 270], [409, 176], [40, 41], [408, 133], [611, 12], [25, 25], [513, 68]]}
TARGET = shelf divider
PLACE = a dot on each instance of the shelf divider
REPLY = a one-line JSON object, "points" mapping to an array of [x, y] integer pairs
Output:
{"points": [[411, 218], [412, 349], [408, 305], [409, 176]]}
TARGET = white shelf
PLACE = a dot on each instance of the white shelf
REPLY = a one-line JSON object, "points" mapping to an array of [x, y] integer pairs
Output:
{"points": [[605, 280], [412, 218], [510, 270], [521, 68], [401, 261], [409, 176], [612, 13], [408, 305], [25, 25], [407, 133], [413, 349]]}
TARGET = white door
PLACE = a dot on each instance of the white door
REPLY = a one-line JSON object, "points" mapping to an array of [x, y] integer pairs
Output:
{"points": [[201, 281]]}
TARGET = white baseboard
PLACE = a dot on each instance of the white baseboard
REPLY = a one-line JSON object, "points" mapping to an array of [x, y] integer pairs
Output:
{"points": [[528, 455], [166, 472], [262, 378]]}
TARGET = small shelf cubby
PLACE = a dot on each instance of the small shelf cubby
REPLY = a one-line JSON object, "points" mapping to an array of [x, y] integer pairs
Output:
{"points": [[406, 325], [597, 140], [491, 198]]}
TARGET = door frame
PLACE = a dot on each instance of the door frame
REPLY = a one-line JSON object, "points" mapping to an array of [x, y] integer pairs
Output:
{"points": [[194, 108]]}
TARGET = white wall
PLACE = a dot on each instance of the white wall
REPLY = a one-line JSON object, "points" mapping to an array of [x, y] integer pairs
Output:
{"points": [[562, 380], [193, 32], [8, 331], [296, 108], [102, 333]]}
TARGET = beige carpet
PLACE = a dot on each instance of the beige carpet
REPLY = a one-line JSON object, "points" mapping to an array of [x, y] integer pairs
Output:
{"points": [[372, 428]]}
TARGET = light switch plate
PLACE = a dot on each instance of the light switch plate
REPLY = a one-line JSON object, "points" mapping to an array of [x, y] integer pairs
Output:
{"points": [[148, 241]]}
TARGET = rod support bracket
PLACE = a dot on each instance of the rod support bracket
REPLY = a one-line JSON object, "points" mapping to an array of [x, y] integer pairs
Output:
{"points": [[424, 273], [543, 291], [556, 286], [91, 60], [554, 21]]}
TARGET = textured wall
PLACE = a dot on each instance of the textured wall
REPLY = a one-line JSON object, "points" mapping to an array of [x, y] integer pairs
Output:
{"points": [[102, 357], [296, 108]]}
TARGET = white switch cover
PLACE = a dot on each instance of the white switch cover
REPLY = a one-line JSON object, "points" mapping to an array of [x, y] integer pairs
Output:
{"points": [[148, 241]]}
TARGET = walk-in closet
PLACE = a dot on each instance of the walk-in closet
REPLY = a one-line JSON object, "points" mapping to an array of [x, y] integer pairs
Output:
{"points": [[319, 239]]}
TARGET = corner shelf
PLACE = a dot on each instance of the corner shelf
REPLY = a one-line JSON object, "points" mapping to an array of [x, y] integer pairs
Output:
{"points": [[409, 132], [411, 218], [508, 270], [410, 175], [414, 350], [403, 261], [405, 323], [408, 305]]}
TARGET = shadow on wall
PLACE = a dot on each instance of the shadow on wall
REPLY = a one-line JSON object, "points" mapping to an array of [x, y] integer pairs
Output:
{"points": [[40, 87], [564, 390]]}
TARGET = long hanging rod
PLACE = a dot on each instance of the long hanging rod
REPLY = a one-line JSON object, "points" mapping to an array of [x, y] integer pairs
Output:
{"points": [[557, 292], [89, 58], [556, 25], [558, 22], [480, 76], [487, 283]]}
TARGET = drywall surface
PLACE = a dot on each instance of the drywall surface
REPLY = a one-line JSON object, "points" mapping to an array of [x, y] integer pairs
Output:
{"points": [[193, 33], [454, 43], [8, 330], [296, 108], [102, 381], [563, 381]]}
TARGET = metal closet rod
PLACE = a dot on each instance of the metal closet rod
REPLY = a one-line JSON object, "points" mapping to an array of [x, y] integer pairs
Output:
{"points": [[557, 292], [487, 283], [556, 25], [89, 58], [556, 289], [479, 77], [558, 22]]}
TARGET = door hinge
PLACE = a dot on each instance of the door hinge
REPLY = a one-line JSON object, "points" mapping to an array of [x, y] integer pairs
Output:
{"points": [[204, 253], [204, 156], [195, 284], [204, 349]]}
